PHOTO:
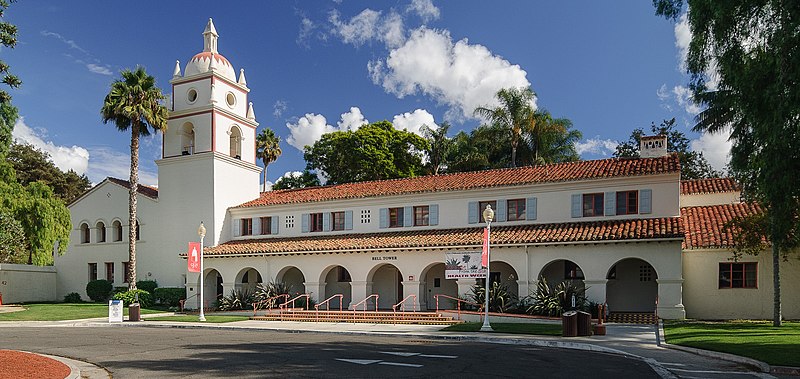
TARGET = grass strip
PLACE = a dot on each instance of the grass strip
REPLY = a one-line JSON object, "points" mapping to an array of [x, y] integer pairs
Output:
{"points": [[514, 328], [62, 311], [194, 318]]}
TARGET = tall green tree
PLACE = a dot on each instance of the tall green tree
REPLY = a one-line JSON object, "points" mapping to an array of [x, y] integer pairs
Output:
{"points": [[135, 104], [290, 181], [693, 164], [268, 149], [512, 114], [373, 152], [12, 239], [32, 164], [548, 139], [439, 146], [752, 50], [8, 38]]}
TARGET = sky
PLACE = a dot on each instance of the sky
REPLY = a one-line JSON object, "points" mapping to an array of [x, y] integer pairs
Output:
{"points": [[319, 66]]}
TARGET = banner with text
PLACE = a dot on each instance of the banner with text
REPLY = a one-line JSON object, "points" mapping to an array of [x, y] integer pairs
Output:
{"points": [[193, 257], [465, 265]]}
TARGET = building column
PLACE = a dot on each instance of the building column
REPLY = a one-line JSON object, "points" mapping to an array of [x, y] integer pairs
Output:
{"points": [[227, 287], [670, 299], [413, 287], [359, 290], [596, 290], [523, 288], [316, 289], [465, 287]]}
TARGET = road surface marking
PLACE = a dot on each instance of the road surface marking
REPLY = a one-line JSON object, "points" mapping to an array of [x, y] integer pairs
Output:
{"points": [[438, 356], [400, 353], [399, 364], [359, 361]]}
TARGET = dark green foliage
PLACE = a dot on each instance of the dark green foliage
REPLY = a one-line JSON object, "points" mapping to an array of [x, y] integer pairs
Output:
{"points": [[32, 164], [306, 179], [12, 240], [553, 301], [169, 297], [500, 299], [8, 38], [265, 293], [439, 147], [147, 285], [129, 297], [99, 290], [238, 299], [73, 297]]}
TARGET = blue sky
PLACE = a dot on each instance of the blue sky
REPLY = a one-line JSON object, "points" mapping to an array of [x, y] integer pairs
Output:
{"points": [[328, 65]]}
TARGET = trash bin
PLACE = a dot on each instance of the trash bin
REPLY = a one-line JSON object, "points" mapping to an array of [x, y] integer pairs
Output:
{"points": [[569, 324], [133, 312], [584, 324]]}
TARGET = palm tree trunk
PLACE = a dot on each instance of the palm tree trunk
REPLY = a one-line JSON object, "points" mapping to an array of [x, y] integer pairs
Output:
{"points": [[513, 153], [776, 283], [265, 179], [134, 181]]}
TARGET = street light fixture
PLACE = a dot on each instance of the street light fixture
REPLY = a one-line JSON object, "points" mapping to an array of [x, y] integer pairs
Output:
{"points": [[488, 216], [201, 231]]}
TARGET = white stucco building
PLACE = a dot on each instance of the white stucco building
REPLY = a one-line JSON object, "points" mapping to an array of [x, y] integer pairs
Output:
{"points": [[629, 230]]}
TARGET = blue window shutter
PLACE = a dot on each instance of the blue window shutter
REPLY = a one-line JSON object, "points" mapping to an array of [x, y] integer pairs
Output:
{"points": [[645, 201], [611, 204], [433, 214], [472, 212], [408, 216], [384, 215], [326, 221], [530, 209], [304, 223], [275, 220], [500, 212], [236, 223], [577, 205], [348, 220], [256, 226]]}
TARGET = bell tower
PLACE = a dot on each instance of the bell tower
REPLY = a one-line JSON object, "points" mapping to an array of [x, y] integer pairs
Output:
{"points": [[208, 161]]}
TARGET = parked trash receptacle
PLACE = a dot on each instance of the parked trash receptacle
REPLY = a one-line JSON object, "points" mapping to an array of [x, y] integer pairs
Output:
{"points": [[584, 324], [569, 324], [133, 312]]}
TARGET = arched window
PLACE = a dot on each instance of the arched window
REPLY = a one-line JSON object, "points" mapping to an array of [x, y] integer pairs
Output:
{"points": [[236, 142], [85, 233], [101, 231], [117, 230], [187, 139]]}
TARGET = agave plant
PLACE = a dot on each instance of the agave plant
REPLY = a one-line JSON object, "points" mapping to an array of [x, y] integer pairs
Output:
{"points": [[264, 294], [500, 298], [238, 299], [553, 301]]}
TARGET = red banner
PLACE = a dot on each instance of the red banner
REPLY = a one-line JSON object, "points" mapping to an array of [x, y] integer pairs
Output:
{"points": [[485, 255], [193, 256]]}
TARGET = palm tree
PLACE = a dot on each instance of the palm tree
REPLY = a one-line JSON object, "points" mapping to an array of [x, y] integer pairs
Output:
{"points": [[268, 148], [515, 106], [549, 139], [135, 103], [439, 146]]}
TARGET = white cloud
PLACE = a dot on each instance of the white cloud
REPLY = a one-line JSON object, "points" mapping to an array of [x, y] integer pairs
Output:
{"points": [[306, 29], [425, 10], [307, 130], [95, 68], [68, 42], [352, 120], [98, 69], [716, 148], [663, 93], [460, 75], [105, 162], [596, 146], [684, 98], [413, 121], [278, 108], [64, 157], [367, 26]]}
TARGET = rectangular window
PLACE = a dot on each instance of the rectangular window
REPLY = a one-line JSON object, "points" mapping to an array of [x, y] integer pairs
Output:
{"points": [[92, 271], [126, 268], [315, 222], [516, 210], [289, 222], [365, 216], [395, 217], [266, 225], [627, 202], [338, 220], [110, 271], [421, 216], [246, 227], [592, 204], [738, 275], [482, 206]]}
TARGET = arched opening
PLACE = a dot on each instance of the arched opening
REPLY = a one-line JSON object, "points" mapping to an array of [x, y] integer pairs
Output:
{"points": [[100, 228], [236, 142], [387, 282], [293, 278], [632, 286], [248, 279], [503, 273], [337, 280], [116, 226], [212, 288], [187, 139], [86, 235], [434, 283], [562, 270]]}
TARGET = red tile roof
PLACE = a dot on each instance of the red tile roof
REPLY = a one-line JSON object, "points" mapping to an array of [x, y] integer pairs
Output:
{"points": [[714, 185], [704, 226], [559, 172], [143, 189], [611, 230]]}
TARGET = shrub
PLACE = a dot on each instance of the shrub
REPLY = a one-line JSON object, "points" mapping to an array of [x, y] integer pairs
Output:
{"points": [[238, 299], [553, 301], [73, 297], [120, 289], [147, 285], [129, 297], [500, 298], [99, 290], [170, 297], [268, 291]]}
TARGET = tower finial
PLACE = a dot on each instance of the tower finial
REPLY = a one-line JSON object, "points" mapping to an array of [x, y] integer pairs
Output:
{"points": [[242, 79], [213, 64], [210, 37], [177, 72], [250, 114]]}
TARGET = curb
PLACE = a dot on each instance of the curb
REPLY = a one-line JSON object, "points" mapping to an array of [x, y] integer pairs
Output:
{"points": [[78, 369]]}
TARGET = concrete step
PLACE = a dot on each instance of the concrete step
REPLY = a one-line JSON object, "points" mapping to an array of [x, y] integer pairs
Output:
{"points": [[427, 318]]}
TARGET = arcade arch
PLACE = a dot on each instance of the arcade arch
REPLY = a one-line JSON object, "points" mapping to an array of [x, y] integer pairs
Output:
{"points": [[632, 286]]}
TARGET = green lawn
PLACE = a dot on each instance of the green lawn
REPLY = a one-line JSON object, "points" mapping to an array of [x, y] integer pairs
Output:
{"points": [[516, 328], [59, 311], [755, 339], [193, 318]]}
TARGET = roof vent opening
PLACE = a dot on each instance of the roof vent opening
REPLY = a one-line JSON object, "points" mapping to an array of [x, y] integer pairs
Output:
{"points": [[653, 146]]}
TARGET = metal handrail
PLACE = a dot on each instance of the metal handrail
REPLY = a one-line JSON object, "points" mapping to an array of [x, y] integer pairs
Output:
{"points": [[402, 305], [271, 299], [327, 303], [355, 306], [306, 295], [458, 303]]}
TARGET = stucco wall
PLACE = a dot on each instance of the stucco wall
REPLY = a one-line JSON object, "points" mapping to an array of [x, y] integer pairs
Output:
{"points": [[24, 283], [710, 199]]}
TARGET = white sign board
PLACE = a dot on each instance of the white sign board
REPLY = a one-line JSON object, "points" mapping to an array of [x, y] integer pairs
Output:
{"points": [[115, 311], [465, 265]]}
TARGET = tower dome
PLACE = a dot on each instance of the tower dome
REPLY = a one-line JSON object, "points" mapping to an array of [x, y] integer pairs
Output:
{"points": [[202, 62]]}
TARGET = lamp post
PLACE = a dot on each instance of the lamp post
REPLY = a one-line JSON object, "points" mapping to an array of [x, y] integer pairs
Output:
{"points": [[488, 215], [201, 231]]}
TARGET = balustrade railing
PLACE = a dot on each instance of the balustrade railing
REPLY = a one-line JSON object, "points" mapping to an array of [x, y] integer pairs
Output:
{"points": [[268, 303], [364, 303], [402, 305], [458, 303]]}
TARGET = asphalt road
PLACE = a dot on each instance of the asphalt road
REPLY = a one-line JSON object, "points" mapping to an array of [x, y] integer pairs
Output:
{"points": [[203, 353]]}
